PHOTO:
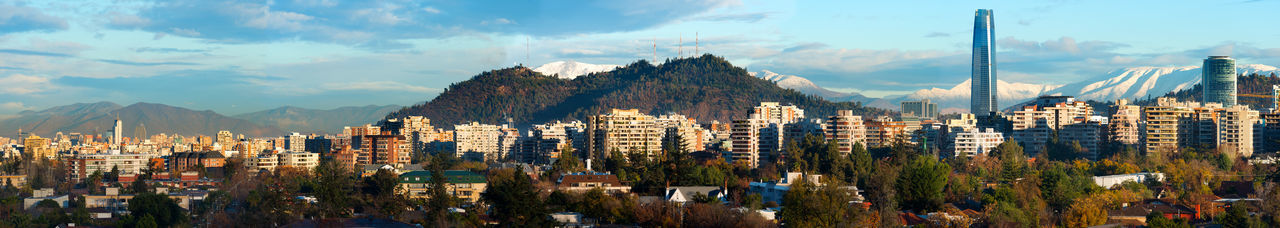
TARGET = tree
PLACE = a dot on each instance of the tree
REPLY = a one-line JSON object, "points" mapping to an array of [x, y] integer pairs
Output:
{"points": [[514, 202], [440, 200], [1238, 217], [1157, 220], [807, 205], [165, 211], [333, 190], [1085, 212], [860, 160], [920, 187]]}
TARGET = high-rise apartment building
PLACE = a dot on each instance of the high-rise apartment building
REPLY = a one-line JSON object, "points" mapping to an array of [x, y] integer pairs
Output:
{"points": [[983, 89], [1034, 124], [626, 131], [683, 132], [1172, 125], [754, 140], [478, 141], [884, 131], [297, 142], [117, 133], [776, 112], [846, 130], [924, 109], [1125, 123], [1218, 80]]}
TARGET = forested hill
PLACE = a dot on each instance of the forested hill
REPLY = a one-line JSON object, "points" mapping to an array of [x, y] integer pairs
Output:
{"points": [[707, 88], [1245, 84]]}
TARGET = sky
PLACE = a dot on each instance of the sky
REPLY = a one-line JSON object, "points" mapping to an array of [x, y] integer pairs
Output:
{"points": [[237, 57]]}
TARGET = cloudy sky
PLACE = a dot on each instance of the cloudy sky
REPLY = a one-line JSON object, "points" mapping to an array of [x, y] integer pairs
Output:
{"points": [[242, 56]]}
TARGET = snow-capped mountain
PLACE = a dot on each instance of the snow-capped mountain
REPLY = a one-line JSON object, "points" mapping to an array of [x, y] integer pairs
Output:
{"points": [[807, 87], [956, 99], [1139, 82], [572, 69]]}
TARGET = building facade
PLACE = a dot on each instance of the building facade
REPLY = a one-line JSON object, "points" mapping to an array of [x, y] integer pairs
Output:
{"points": [[625, 131], [846, 130], [983, 82], [1218, 80]]}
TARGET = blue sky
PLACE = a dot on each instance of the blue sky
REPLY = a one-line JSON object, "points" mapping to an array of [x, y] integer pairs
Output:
{"points": [[242, 56]]}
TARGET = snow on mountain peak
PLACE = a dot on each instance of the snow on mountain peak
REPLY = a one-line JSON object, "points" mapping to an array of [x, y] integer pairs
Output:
{"points": [[572, 69], [1141, 82]]}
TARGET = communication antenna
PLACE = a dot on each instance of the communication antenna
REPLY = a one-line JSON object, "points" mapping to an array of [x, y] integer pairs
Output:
{"points": [[655, 50], [695, 44], [526, 49], [680, 47]]}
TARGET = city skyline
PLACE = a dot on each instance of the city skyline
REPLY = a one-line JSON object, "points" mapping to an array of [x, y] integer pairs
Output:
{"points": [[306, 54]]}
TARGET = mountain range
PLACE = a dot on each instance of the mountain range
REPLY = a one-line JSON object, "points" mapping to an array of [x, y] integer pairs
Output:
{"points": [[318, 121], [707, 88], [155, 118], [1125, 83], [90, 118]]}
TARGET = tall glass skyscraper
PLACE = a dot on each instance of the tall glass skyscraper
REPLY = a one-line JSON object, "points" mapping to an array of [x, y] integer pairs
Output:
{"points": [[1218, 80], [983, 84]]}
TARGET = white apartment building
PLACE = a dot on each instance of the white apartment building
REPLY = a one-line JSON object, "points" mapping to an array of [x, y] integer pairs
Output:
{"points": [[297, 142], [625, 131], [478, 141], [974, 142], [305, 160], [691, 136]]}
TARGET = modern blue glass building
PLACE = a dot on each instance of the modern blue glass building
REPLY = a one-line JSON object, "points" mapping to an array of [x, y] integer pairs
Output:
{"points": [[983, 84], [1218, 80]]}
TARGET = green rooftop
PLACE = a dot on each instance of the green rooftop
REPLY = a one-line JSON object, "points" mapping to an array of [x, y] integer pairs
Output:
{"points": [[451, 176]]}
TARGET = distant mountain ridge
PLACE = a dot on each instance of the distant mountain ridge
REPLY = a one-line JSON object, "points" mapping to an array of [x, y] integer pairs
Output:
{"points": [[808, 87], [306, 120], [706, 88], [1140, 82], [88, 118], [956, 99]]}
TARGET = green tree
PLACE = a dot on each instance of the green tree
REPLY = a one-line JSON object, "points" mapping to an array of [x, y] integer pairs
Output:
{"points": [[807, 205], [920, 187], [1238, 217], [165, 211], [514, 202], [333, 188]]}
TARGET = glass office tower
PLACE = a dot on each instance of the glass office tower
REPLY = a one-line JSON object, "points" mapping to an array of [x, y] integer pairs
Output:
{"points": [[1218, 80], [983, 84]]}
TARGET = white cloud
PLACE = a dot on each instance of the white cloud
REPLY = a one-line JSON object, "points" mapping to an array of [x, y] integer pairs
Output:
{"points": [[12, 106], [431, 10], [23, 84]]}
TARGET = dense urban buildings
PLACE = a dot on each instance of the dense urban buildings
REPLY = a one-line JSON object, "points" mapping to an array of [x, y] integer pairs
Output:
{"points": [[983, 76]]}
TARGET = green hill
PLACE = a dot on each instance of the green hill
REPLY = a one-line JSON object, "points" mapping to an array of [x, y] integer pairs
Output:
{"points": [[707, 88]]}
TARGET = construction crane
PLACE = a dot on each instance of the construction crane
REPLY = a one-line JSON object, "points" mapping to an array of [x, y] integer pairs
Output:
{"points": [[1274, 96]]}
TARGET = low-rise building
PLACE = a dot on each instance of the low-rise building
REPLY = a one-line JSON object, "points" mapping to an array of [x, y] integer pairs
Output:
{"points": [[465, 185], [586, 181]]}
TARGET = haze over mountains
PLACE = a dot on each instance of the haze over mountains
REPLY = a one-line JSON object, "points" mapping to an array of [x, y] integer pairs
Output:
{"points": [[1126, 83], [88, 118]]}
